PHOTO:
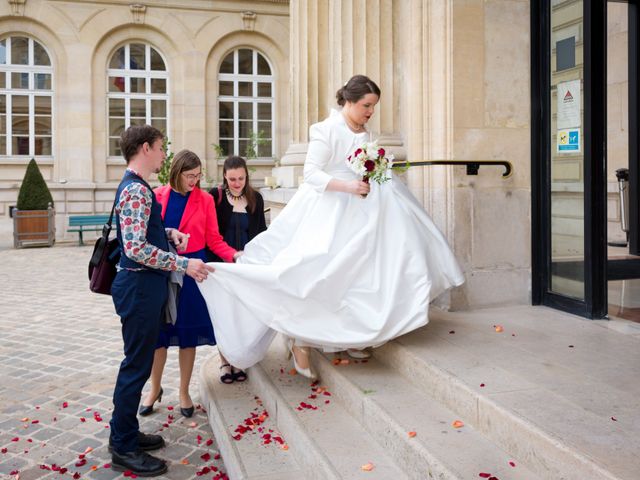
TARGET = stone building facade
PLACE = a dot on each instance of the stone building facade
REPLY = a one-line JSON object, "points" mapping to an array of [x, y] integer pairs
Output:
{"points": [[454, 74]]}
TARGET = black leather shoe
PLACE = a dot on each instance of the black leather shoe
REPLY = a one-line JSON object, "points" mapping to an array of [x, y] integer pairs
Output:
{"points": [[187, 412], [148, 409], [146, 442], [139, 463]]}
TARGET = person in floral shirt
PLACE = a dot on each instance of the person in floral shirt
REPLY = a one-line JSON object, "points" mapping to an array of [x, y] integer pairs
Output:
{"points": [[139, 294]]}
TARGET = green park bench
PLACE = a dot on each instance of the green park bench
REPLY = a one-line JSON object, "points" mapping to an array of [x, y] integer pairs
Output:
{"points": [[87, 223]]}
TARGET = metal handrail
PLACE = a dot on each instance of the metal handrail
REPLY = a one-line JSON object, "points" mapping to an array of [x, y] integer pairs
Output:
{"points": [[472, 165]]}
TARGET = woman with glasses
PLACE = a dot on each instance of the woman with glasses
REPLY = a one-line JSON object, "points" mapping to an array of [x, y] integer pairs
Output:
{"points": [[187, 207]]}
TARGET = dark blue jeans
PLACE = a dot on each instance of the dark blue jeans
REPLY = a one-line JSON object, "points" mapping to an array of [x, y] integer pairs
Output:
{"points": [[139, 298]]}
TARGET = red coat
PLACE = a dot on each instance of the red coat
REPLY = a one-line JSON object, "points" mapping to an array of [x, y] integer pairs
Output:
{"points": [[199, 220]]}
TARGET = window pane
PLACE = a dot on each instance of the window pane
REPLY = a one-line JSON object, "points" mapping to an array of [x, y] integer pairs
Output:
{"points": [[265, 128], [20, 105], [20, 145], [226, 88], [158, 85], [160, 124], [3, 51], [3, 104], [114, 147], [3, 145], [245, 127], [158, 108], [19, 51], [42, 81], [264, 111], [136, 56], [242, 147], [3, 124], [116, 107], [116, 126], [117, 61], [245, 110], [20, 124], [42, 105], [138, 108], [225, 129], [116, 84], [138, 121], [245, 61], [20, 80], [227, 64], [40, 56], [227, 147], [226, 110], [156, 61], [42, 146], [245, 89], [138, 85], [42, 125], [265, 150], [3, 83], [263, 66], [264, 89]]}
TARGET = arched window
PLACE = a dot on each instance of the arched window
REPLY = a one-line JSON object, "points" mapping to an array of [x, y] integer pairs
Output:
{"points": [[245, 86], [26, 94], [137, 91]]}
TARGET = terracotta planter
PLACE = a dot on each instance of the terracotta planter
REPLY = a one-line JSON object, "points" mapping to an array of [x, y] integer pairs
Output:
{"points": [[34, 228]]}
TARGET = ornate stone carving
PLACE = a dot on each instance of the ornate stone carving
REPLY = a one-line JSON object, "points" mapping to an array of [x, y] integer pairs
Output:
{"points": [[249, 19], [17, 7], [138, 10]]}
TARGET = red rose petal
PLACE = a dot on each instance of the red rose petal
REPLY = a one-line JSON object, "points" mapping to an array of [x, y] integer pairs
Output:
{"points": [[205, 456], [484, 475], [513, 464], [614, 419], [209, 442], [65, 404]]}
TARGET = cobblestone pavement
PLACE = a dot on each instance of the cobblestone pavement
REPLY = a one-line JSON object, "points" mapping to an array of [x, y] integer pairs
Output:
{"points": [[59, 355]]}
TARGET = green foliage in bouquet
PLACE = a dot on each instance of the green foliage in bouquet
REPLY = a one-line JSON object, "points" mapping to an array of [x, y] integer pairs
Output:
{"points": [[34, 193]]}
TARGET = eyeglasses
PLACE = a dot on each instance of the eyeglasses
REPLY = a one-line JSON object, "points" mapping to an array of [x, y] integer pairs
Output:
{"points": [[191, 176]]}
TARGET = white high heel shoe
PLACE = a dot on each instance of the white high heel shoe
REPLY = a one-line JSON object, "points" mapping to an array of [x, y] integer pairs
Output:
{"points": [[305, 372]]}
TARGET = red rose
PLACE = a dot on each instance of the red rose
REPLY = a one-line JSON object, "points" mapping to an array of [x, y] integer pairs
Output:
{"points": [[381, 152], [369, 165]]}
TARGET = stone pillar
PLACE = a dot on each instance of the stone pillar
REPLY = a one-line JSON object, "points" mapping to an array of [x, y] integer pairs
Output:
{"points": [[330, 42]]}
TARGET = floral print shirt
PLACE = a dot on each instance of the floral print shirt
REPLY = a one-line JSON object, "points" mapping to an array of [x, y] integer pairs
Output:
{"points": [[134, 209]]}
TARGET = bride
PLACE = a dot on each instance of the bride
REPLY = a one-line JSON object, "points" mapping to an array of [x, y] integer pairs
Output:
{"points": [[334, 270]]}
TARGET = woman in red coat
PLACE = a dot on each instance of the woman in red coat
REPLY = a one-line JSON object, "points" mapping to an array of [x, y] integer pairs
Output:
{"points": [[188, 208]]}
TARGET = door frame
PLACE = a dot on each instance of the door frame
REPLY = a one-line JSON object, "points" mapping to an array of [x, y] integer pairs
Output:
{"points": [[594, 304]]}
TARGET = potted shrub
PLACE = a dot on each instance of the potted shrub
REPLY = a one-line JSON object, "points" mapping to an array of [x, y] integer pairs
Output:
{"points": [[34, 216]]}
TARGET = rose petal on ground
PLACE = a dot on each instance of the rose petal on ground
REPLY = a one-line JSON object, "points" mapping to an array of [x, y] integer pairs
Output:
{"points": [[457, 424], [25, 419], [193, 424], [570, 346], [81, 463], [412, 434], [344, 361], [95, 467], [614, 419], [76, 475], [209, 442], [513, 464], [335, 361], [206, 456], [293, 371], [88, 449], [451, 332], [106, 465], [4, 450], [216, 456], [82, 419], [367, 467], [63, 471], [499, 328], [65, 404], [484, 475], [15, 439]]}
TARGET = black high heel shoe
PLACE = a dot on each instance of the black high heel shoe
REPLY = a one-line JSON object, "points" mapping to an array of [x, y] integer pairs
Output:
{"points": [[148, 409], [187, 412]]}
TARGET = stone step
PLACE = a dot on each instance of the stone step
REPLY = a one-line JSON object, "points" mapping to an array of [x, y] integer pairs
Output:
{"points": [[389, 407], [501, 387]]}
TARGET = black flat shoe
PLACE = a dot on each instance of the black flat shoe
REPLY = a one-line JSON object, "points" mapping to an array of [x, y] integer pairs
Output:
{"points": [[146, 442], [239, 375], [148, 409], [139, 463], [227, 377], [187, 412]]}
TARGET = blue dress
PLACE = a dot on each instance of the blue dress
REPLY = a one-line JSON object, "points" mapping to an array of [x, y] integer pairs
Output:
{"points": [[193, 325], [237, 234]]}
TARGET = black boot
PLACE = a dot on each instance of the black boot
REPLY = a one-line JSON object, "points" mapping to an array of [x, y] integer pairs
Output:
{"points": [[139, 463]]}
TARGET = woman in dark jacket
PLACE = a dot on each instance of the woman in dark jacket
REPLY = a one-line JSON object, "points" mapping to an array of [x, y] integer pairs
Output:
{"points": [[240, 212]]}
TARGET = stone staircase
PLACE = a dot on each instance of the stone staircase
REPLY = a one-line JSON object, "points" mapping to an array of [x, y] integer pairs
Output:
{"points": [[358, 421]]}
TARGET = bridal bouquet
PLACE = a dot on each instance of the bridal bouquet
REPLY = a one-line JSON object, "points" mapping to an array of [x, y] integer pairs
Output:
{"points": [[371, 162]]}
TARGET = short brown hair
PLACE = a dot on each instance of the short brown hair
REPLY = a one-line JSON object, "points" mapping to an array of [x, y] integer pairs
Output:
{"points": [[356, 88], [183, 161], [135, 136]]}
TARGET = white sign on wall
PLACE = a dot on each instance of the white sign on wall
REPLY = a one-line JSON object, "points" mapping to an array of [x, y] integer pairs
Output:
{"points": [[569, 105]]}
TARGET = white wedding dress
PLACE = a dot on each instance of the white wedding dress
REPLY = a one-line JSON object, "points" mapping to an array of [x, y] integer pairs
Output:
{"points": [[333, 270]]}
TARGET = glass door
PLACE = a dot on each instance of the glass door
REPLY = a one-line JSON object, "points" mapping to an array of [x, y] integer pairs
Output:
{"points": [[568, 155]]}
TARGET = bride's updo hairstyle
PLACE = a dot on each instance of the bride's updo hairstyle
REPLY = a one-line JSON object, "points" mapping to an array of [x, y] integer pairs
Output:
{"points": [[356, 88]]}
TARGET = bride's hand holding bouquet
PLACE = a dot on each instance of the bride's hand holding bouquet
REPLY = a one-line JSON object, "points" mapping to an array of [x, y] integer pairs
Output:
{"points": [[371, 162]]}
